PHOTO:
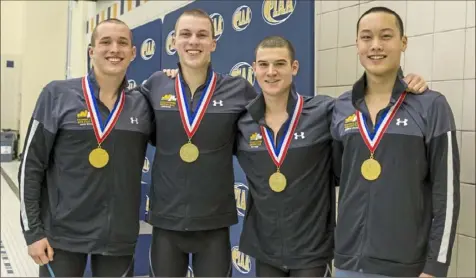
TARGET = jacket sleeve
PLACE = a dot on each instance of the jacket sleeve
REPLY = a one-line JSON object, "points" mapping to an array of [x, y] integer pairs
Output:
{"points": [[38, 144], [337, 146], [444, 171]]}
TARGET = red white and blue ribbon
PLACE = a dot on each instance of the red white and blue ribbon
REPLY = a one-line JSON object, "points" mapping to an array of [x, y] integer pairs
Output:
{"points": [[279, 152], [191, 120], [373, 139], [101, 129]]}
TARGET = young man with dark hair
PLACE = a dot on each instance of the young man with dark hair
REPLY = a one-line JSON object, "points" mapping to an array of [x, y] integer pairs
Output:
{"points": [[79, 179], [399, 173], [192, 202]]}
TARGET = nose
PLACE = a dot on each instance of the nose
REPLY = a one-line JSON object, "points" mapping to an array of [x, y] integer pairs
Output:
{"points": [[114, 47], [193, 39], [376, 45], [271, 70]]}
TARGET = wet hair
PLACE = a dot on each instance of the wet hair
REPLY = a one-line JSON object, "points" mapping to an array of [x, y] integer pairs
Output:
{"points": [[387, 11], [110, 20], [197, 13], [277, 42]]}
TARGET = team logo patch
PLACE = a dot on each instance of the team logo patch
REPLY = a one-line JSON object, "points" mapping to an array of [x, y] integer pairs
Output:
{"points": [[244, 70], [350, 122], [256, 140], [168, 101], [275, 12], [147, 49], [241, 261], [83, 117], [241, 18]]}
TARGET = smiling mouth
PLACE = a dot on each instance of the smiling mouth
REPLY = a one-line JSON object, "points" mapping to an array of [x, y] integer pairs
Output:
{"points": [[194, 52], [114, 59], [377, 57], [271, 81]]}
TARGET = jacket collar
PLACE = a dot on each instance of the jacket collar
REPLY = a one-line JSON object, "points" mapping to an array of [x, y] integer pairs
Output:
{"points": [[95, 86], [358, 90], [258, 106]]}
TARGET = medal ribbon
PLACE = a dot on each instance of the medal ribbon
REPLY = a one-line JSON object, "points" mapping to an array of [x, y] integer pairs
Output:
{"points": [[372, 140], [279, 153], [101, 130], [191, 120]]}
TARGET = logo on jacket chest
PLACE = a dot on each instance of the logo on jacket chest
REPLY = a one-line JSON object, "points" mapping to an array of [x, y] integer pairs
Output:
{"points": [[256, 140], [83, 117], [350, 122], [168, 101]]}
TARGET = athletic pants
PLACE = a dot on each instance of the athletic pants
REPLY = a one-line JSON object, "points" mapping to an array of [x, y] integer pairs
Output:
{"points": [[266, 270], [69, 264], [169, 253]]}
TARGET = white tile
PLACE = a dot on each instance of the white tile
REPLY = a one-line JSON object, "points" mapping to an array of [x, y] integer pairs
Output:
{"points": [[347, 20], [453, 91], [317, 7], [470, 13], [420, 17], [342, 89], [329, 6], [467, 157], [466, 257], [469, 54], [419, 57], [448, 55], [400, 7], [348, 3], [454, 259], [466, 221], [346, 65], [458, 139], [469, 99], [450, 15], [329, 31], [327, 70]]}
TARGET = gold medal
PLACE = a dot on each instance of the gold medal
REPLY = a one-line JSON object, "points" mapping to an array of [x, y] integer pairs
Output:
{"points": [[277, 182], [98, 158], [371, 169], [189, 152]]}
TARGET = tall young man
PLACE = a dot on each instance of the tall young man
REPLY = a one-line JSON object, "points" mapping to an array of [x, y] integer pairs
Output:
{"points": [[79, 178], [192, 203], [284, 149], [399, 179]]}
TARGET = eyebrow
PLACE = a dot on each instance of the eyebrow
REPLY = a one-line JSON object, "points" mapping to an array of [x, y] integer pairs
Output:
{"points": [[385, 29], [108, 38], [280, 60], [200, 31]]}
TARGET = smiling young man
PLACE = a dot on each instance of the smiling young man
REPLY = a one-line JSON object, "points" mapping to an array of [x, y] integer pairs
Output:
{"points": [[399, 175], [192, 203], [79, 178], [284, 149]]}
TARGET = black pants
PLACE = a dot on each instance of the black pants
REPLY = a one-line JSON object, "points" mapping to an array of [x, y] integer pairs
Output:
{"points": [[69, 264], [211, 253], [266, 270]]}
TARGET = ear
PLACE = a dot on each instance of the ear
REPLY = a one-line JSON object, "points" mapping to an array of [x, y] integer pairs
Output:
{"points": [[404, 43], [90, 51], [253, 66], [134, 53], [214, 45], [295, 67]]}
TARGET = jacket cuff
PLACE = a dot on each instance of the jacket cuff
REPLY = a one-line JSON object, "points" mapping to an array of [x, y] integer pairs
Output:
{"points": [[34, 235], [436, 269]]}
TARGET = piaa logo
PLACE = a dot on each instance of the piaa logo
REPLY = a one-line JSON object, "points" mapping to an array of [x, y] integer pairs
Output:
{"points": [[277, 11], [240, 196], [244, 70], [218, 24], [168, 43], [147, 49], [241, 18], [241, 261], [132, 84]]}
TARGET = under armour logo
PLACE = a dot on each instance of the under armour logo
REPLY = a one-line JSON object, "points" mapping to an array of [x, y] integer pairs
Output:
{"points": [[404, 122], [134, 120], [220, 102], [297, 136]]}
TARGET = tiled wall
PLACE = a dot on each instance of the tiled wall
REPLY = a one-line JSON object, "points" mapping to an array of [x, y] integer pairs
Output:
{"points": [[441, 48]]}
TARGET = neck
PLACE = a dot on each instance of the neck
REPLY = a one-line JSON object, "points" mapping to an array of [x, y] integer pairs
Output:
{"points": [[380, 85], [194, 77], [108, 84], [275, 105]]}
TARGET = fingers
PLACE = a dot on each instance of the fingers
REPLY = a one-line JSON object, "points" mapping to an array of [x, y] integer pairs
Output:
{"points": [[44, 259], [37, 260], [50, 252]]}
